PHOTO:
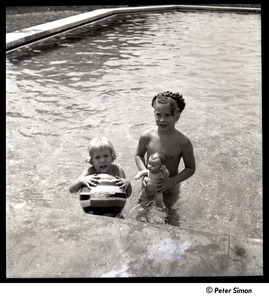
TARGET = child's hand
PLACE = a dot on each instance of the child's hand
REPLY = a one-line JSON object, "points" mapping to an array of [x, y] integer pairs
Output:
{"points": [[90, 180], [162, 185], [165, 172], [122, 183]]}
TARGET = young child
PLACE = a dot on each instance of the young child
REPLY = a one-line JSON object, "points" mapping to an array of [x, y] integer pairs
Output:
{"points": [[167, 139], [156, 170], [102, 154]]}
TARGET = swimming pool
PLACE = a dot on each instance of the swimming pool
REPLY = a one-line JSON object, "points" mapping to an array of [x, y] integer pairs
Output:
{"points": [[100, 79]]}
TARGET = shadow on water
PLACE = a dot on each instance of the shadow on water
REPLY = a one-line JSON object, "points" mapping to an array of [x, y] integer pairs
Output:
{"points": [[152, 215], [113, 212], [149, 213]]}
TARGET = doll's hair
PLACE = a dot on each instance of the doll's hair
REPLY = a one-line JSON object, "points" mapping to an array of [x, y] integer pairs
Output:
{"points": [[175, 100], [97, 144], [158, 155]]}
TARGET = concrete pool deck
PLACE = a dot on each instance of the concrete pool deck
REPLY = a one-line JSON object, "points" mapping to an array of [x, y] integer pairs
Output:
{"points": [[27, 35], [77, 245]]}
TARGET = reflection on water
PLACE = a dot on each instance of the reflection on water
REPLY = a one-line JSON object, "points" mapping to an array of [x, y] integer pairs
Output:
{"points": [[100, 79]]}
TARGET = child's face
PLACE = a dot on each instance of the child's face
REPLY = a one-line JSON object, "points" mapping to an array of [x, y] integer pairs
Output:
{"points": [[102, 160], [154, 165], [163, 116]]}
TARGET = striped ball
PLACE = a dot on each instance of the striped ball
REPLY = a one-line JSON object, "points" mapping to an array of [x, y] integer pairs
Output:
{"points": [[106, 194]]}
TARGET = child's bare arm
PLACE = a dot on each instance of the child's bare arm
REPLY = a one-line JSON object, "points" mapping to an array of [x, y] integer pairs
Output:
{"points": [[141, 151], [188, 171], [189, 161], [124, 183], [87, 178]]}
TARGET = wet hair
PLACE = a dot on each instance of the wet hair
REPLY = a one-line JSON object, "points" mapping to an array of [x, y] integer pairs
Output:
{"points": [[175, 100], [158, 155], [97, 144]]}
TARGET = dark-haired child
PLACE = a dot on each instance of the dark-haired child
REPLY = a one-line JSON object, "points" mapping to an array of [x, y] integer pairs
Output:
{"points": [[167, 139]]}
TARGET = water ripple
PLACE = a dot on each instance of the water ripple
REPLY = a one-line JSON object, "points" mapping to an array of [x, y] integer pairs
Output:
{"points": [[100, 79]]}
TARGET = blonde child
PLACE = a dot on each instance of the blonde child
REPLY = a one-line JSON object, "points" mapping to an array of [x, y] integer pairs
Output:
{"points": [[167, 139], [102, 154], [155, 170]]}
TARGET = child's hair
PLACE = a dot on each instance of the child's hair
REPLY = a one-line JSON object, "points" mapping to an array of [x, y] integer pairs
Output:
{"points": [[100, 144], [159, 155], [175, 100]]}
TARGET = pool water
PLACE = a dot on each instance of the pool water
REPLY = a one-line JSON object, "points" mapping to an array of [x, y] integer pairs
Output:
{"points": [[99, 81]]}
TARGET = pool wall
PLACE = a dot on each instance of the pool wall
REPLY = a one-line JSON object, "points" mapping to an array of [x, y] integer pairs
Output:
{"points": [[28, 35]]}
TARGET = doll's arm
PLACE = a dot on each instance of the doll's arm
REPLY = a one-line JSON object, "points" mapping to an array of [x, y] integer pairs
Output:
{"points": [[141, 174]]}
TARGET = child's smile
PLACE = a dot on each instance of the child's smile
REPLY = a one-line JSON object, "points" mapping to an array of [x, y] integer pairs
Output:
{"points": [[163, 116]]}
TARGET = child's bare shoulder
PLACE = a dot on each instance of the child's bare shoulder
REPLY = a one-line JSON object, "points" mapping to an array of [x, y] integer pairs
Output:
{"points": [[149, 132], [146, 135], [182, 138]]}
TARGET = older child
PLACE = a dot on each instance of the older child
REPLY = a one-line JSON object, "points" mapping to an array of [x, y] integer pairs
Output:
{"points": [[155, 170], [102, 154], [166, 138]]}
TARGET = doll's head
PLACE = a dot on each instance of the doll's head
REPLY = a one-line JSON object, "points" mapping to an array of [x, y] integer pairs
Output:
{"points": [[155, 162]]}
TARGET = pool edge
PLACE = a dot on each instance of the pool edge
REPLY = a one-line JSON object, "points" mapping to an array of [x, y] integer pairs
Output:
{"points": [[30, 34]]}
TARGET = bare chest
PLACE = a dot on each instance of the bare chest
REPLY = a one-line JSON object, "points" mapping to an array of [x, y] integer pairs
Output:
{"points": [[170, 148]]}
